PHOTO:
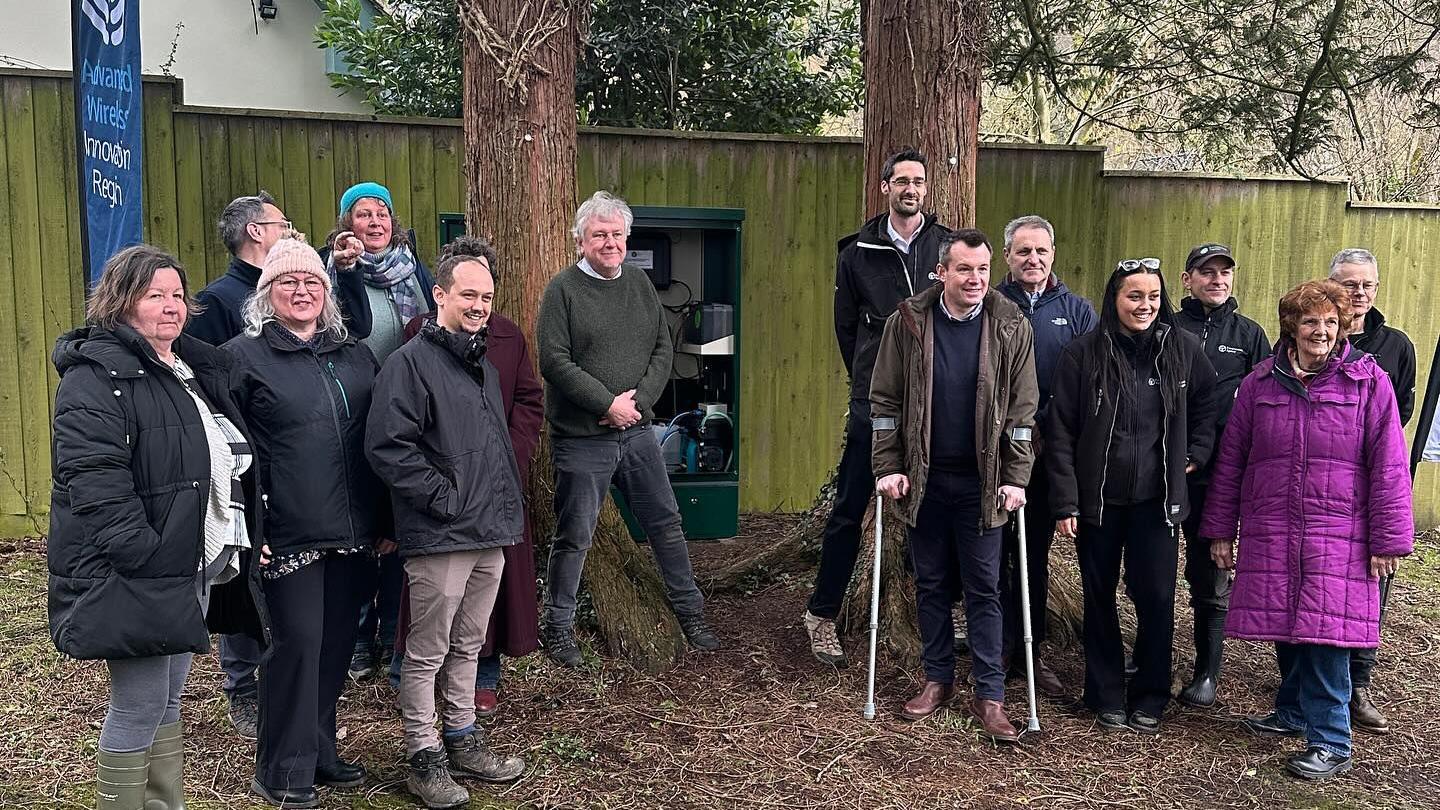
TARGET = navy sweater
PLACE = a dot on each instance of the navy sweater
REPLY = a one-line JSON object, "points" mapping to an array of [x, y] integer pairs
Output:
{"points": [[952, 413]]}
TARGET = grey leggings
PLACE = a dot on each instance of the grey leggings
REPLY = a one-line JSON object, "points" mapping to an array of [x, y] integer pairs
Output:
{"points": [[144, 695]]}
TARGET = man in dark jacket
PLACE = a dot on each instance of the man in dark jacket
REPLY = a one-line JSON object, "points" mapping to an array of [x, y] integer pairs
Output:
{"points": [[1057, 316], [889, 259], [605, 355], [249, 227], [1358, 271], [438, 438], [1233, 344], [953, 405], [1427, 436]]}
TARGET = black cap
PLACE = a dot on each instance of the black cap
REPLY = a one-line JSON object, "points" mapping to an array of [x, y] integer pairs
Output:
{"points": [[1205, 252]]}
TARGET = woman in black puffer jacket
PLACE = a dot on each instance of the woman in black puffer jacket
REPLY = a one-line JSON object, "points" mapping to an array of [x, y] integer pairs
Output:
{"points": [[303, 385], [147, 513]]}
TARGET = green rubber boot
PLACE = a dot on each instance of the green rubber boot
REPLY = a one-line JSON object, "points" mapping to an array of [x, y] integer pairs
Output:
{"points": [[120, 780], [163, 787]]}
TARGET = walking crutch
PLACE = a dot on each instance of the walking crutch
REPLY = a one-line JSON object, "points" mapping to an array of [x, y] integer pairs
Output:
{"points": [[1025, 624], [875, 602]]}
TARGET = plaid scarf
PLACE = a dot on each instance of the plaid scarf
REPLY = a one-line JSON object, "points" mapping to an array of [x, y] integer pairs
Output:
{"points": [[392, 270]]}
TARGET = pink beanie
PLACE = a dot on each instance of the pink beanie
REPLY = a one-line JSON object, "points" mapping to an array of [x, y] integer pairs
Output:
{"points": [[292, 256]]}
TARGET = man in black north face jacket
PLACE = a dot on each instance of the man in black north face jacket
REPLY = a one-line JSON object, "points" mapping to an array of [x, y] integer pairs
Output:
{"points": [[892, 257]]}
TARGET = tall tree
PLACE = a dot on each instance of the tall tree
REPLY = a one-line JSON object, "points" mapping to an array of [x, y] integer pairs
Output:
{"points": [[519, 124]]}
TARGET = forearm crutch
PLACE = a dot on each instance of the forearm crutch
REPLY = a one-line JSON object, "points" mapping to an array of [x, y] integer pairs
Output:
{"points": [[1025, 624], [875, 602]]}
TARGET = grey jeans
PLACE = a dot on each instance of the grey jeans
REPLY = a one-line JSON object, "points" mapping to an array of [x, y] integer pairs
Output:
{"points": [[584, 469]]}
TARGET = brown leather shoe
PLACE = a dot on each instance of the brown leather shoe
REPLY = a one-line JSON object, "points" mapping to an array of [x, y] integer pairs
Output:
{"points": [[932, 696], [1047, 682], [993, 722], [1365, 715]]}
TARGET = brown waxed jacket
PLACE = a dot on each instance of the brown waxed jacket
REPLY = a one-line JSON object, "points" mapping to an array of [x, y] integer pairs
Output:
{"points": [[902, 389]]}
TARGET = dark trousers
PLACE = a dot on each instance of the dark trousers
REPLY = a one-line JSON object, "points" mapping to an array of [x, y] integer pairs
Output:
{"points": [[1362, 659], [953, 556], [239, 658], [1039, 532], [1140, 536], [854, 489], [380, 612], [1209, 585], [584, 470], [312, 620]]}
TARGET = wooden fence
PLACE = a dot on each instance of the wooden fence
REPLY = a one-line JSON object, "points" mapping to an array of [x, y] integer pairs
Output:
{"points": [[800, 195]]}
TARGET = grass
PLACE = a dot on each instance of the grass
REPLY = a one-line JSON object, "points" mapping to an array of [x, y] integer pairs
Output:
{"points": [[758, 725]]}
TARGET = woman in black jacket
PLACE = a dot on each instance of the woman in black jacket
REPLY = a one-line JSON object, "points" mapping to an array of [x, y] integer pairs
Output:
{"points": [[147, 513], [303, 385], [1132, 414]]}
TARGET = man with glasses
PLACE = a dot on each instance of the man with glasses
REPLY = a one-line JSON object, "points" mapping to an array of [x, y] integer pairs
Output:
{"points": [[891, 258], [249, 227], [1234, 344], [1357, 270]]}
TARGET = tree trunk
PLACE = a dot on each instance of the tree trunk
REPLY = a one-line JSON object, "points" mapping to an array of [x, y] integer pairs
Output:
{"points": [[519, 123], [923, 62]]}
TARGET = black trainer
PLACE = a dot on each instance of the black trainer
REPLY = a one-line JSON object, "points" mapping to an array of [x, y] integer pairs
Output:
{"points": [[1317, 763], [561, 646], [1112, 720], [1144, 722], [245, 715], [1269, 725], [698, 633]]}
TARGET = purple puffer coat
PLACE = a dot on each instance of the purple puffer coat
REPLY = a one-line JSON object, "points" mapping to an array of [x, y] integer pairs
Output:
{"points": [[1316, 481]]}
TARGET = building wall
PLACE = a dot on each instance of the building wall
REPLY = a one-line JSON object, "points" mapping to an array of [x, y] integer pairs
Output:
{"points": [[800, 195], [223, 54]]}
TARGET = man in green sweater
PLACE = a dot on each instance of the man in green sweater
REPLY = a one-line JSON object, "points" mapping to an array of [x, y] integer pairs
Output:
{"points": [[605, 355]]}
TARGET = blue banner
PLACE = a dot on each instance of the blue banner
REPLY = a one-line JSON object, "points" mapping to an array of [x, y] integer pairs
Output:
{"points": [[108, 124]]}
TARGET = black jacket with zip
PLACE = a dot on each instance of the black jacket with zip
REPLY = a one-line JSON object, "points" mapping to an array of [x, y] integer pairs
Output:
{"points": [[1233, 344], [438, 437], [1081, 431], [872, 277], [306, 405], [1395, 353], [1427, 412]]}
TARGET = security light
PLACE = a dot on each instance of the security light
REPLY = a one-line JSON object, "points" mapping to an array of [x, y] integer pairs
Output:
{"points": [[268, 10]]}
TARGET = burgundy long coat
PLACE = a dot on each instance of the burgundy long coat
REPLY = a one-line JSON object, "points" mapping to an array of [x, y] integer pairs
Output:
{"points": [[515, 621]]}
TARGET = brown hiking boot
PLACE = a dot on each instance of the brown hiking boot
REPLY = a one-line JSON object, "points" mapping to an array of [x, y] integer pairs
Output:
{"points": [[932, 696], [431, 783], [993, 722], [470, 756], [1364, 714], [1047, 682], [824, 641]]}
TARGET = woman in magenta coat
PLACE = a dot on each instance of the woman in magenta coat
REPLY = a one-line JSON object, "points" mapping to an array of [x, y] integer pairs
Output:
{"points": [[1312, 473]]}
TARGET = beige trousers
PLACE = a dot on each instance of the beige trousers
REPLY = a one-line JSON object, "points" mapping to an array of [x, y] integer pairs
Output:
{"points": [[451, 598]]}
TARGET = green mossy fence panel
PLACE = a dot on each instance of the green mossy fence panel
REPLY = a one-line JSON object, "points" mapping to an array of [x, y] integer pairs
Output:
{"points": [[800, 195]]}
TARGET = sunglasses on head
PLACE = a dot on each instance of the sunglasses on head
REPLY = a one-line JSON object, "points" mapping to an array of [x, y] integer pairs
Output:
{"points": [[1136, 265]]}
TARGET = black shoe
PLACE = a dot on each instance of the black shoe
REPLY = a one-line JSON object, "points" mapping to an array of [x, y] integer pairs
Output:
{"points": [[245, 715], [1144, 722], [563, 649], [698, 633], [1269, 725], [362, 663], [340, 775], [1317, 763], [1112, 720], [286, 797]]}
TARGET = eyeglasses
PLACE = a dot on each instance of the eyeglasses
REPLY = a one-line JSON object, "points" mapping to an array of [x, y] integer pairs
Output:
{"points": [[289, 226], [1355, 286], [290, 285], [905, 182], [1136, 265]]}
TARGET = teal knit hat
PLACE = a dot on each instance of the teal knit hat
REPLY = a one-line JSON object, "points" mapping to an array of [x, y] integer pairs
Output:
{"points": [[358, 191]]}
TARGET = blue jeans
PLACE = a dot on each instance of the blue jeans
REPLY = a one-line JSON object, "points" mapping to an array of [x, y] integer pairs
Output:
{"points": [[381, 611], [487, 672], [1314, 694]]}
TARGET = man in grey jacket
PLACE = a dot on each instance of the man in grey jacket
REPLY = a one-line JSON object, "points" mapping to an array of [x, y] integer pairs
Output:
{"points": [[605, 354]]}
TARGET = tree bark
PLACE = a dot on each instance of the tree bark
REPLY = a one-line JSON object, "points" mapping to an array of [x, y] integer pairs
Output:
{"points": [[520, 129]]}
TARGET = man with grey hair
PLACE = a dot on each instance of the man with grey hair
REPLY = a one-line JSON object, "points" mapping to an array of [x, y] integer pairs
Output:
{"points": [[1057, 316], [605, 353], [249, 226], [1358, 271]]}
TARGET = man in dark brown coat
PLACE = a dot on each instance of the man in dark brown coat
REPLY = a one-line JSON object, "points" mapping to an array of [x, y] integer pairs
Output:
{"points": [[952, 402]]}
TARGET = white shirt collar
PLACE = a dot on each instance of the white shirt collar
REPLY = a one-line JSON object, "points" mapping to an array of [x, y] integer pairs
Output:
{"points": [[901, 243], [969, 316], [584, 265]]}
